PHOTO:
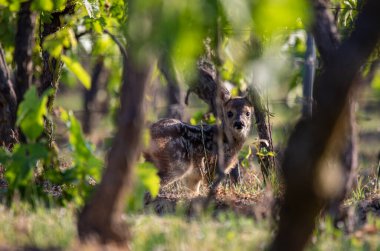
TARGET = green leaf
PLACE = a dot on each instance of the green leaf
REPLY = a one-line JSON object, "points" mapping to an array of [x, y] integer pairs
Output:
{"points": [[102, 45], [20, 165], [14, 6], [5, 155], [147, 174], [84, 160], [75, 67], [31, 112], [376, 82], [147, 180], [3, 3], [92, 7], [56, 42], [270, 16], [59, 5], [43, 5]]}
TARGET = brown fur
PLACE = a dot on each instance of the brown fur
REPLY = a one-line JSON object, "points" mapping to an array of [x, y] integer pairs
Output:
{"points": [[182, 151]]}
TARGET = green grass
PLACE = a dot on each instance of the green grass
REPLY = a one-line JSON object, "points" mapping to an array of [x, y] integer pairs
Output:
{"points": [[48, 228], [228, 232], [44, 228], [327, 237]]}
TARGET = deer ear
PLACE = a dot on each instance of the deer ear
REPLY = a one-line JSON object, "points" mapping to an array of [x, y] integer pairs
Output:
{"points": [[247, 98], [224, 94]]}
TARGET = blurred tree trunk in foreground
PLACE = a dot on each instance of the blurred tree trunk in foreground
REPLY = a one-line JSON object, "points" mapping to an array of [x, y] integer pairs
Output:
{"points": [[312, 138], [327, 40], [101, 217]]}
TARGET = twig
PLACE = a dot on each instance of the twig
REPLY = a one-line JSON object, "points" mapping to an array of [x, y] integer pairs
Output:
{"points": [[118, 42]]}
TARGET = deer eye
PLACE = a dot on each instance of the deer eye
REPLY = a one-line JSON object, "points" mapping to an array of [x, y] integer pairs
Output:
{"points": [[248, 114], [230, 114]]}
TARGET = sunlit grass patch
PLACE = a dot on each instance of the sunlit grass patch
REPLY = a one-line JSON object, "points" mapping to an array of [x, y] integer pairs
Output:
{"points": [[228, 232], [327, 237], [44, 228]]}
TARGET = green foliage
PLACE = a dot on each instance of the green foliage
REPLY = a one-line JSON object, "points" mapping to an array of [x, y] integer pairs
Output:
{"points": [[23, 162], [34, 161], [264, 152], [270, 16], [92, 7], [179, 27], [7, 31], [359, 192], [244, 156], [38, 5], [346, 16], [31, 113], [44, 5], [86, 167], [20, 166], [56, 42], [75, 67], [199, 117], [64, 39], [147, 180], [376, 82]]}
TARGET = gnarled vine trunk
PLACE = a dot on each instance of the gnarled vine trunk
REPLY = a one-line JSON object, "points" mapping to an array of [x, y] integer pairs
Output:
{"points": [[26, 22], [311, 138], [101, 217], [327, 40]]}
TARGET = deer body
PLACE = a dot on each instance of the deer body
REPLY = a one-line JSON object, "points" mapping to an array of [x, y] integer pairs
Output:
{"points": [[183, 151]]}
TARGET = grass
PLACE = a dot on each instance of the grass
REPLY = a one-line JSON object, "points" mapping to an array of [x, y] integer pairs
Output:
{"points": [[228, 232], [327, 237], [43, 228], [55, 228]]}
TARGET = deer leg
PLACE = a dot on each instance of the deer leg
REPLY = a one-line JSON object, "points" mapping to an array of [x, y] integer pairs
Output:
{"points": [[193, 179], [176, 172]]}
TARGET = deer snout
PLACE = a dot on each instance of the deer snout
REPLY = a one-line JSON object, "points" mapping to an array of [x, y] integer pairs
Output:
{"points": [[239, 125]]}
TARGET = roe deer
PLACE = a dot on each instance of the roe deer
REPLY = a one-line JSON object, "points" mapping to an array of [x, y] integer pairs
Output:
{"points": [[183, 151]]}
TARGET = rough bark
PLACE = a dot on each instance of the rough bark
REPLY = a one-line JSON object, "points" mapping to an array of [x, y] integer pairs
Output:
{"points": [[8, 106], [175, 103], [266, 162], [312, 137], [24, 43], [101, 217], [205, 86], [90, 95], [51, 67]]}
